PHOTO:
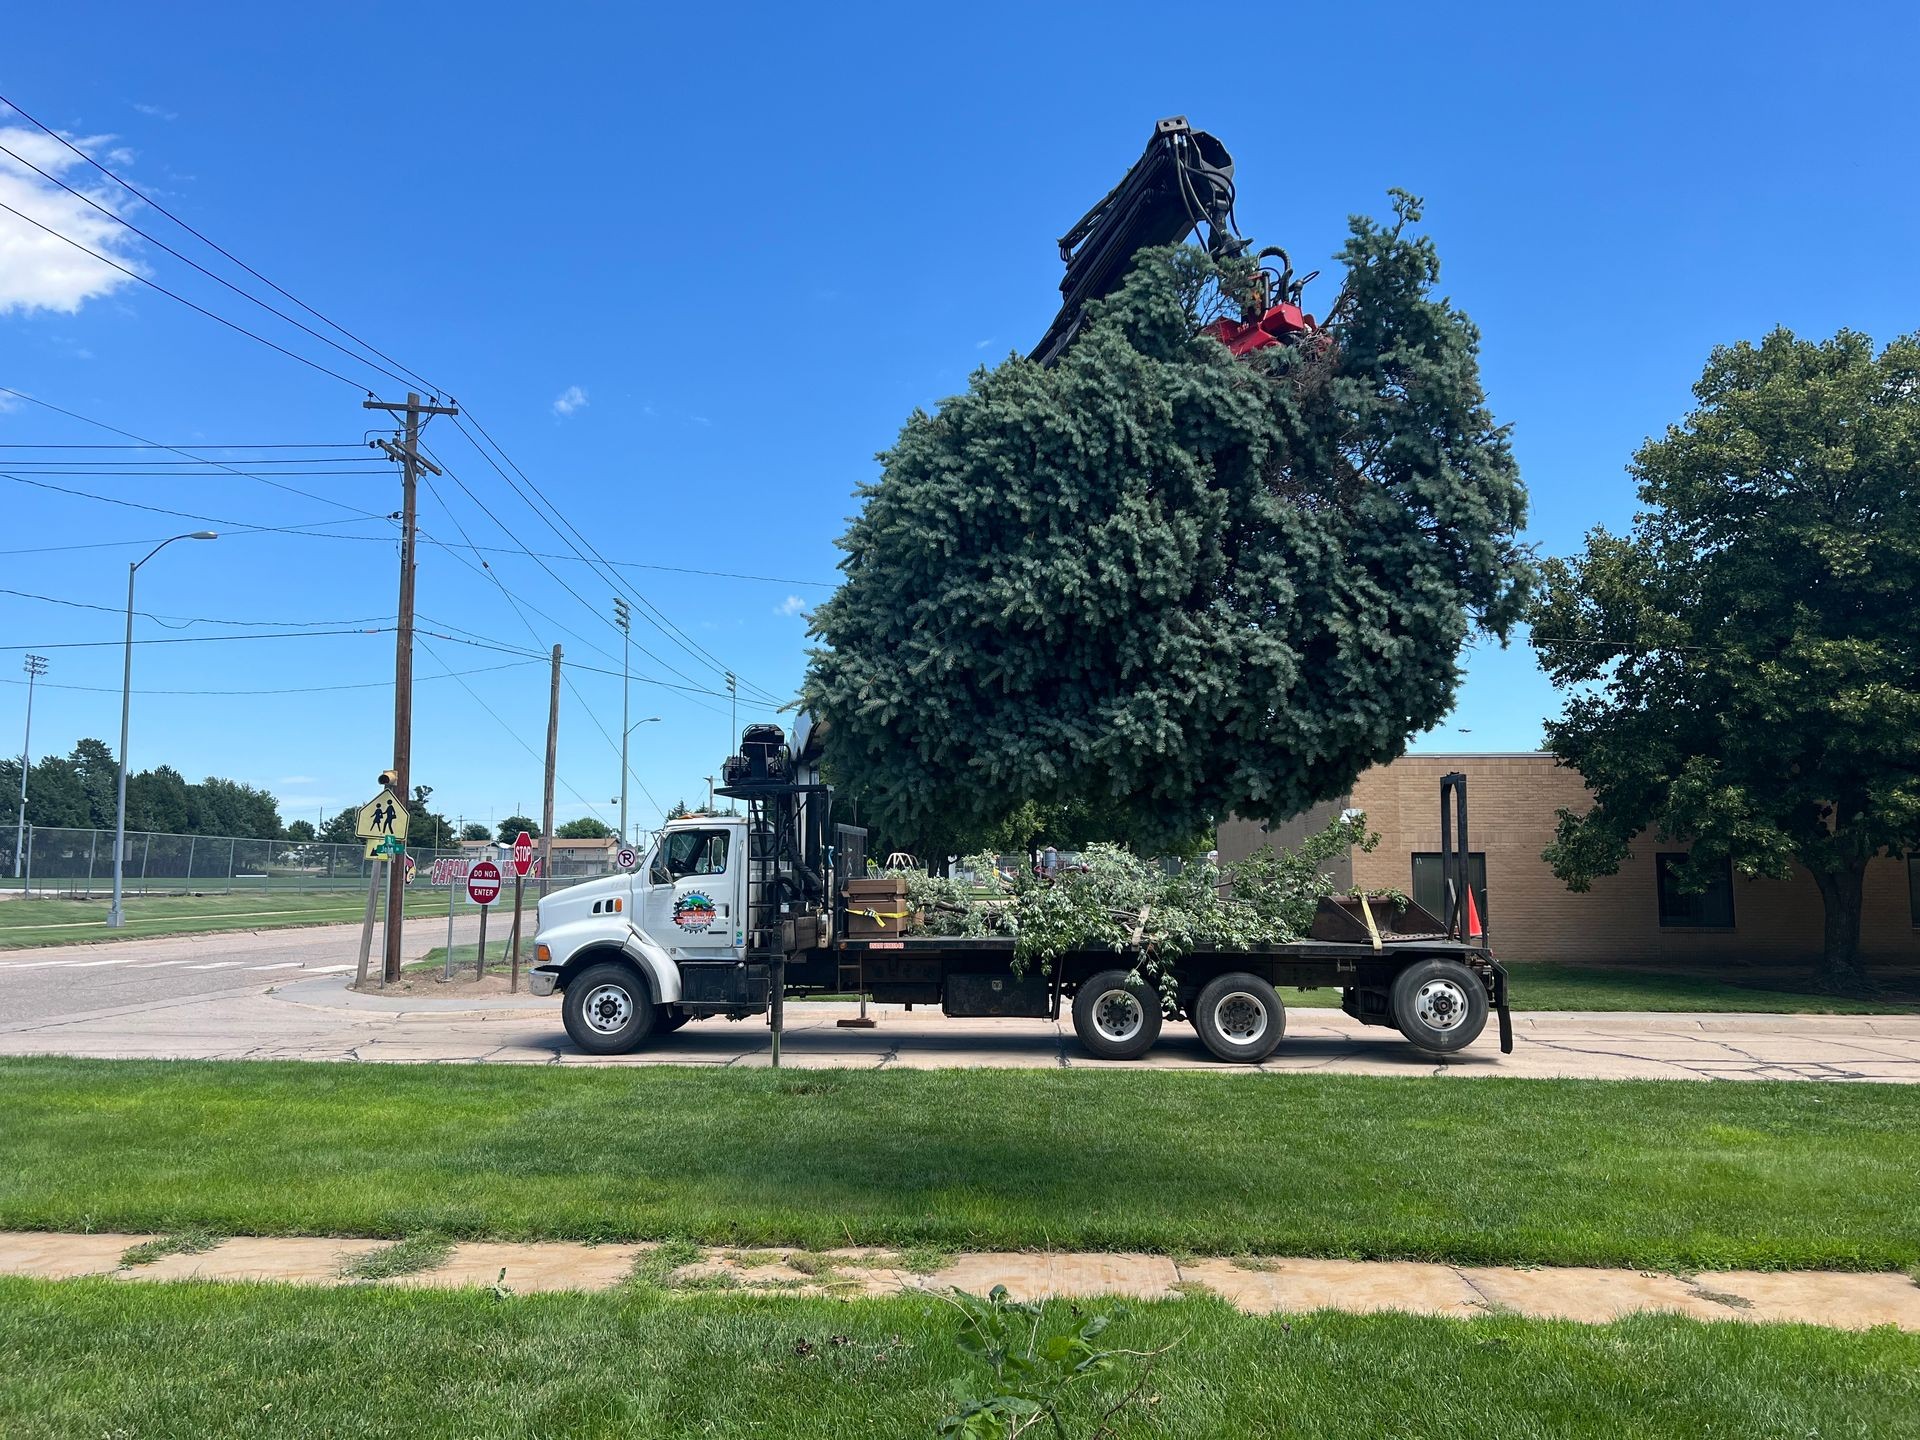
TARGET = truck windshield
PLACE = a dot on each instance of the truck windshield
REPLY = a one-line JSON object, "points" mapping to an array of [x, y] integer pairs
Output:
{"points": [[689, 852]]}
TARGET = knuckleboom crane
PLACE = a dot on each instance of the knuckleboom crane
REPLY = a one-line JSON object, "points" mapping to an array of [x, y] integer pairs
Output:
{"points": [[1182, 183]]}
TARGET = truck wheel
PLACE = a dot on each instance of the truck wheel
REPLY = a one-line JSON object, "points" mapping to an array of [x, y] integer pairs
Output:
{"points": [[1440, 1005], [1240, 1018], [608, 1010], [670, 1018], [1114, 1018]]}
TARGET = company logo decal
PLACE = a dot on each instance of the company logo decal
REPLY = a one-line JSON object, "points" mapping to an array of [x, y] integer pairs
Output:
{"points": [[694, 912]]}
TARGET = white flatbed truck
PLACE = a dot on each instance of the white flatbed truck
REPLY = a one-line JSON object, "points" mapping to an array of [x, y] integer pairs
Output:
{"points": [[729, 915]]}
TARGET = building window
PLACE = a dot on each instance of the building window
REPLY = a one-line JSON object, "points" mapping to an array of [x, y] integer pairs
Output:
{"points": [[1430, 888], [1709, 909]]}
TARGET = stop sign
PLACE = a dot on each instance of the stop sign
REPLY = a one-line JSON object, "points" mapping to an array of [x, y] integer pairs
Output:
{"points": [[483, 882], [523, 853]]}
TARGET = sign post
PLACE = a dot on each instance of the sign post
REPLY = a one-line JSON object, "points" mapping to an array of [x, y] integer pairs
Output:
{"points": [[483, 888], [522, 862], [366, 927]]}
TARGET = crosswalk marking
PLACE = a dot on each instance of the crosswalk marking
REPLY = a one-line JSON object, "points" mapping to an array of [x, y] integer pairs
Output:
{"points": [[283, 965], [327, 969], [218, 965]]}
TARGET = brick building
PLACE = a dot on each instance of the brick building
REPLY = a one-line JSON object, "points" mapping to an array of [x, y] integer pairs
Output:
{"points": [[1636, 915]]}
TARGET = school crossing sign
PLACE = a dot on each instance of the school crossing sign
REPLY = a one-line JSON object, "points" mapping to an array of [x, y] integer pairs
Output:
{"points": [[382, 823]]}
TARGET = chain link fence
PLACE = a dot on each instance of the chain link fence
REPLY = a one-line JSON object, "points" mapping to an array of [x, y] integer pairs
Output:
{"points": [[55, 860]]}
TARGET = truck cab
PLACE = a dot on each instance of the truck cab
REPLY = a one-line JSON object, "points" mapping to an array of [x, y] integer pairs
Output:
{"points": [[674, 928]]}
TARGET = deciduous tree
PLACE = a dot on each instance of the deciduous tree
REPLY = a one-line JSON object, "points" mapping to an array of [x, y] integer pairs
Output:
{"points": [[1167, 583], [1745, 662]]}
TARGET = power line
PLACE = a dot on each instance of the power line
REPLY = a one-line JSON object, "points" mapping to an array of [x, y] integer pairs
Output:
{"points": [[197, 444], [148, 467], [202, 639], [183, 619], [292, 690], [140, 194], [299, 532], [648, 605], [178, 514], [217, 279], [175, 295], [95, 473], [518, 739], [175, 449]]}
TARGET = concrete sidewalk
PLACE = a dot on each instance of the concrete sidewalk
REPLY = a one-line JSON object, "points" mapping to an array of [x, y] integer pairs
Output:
{"points": [[319, 1019], [1259, 1285]]}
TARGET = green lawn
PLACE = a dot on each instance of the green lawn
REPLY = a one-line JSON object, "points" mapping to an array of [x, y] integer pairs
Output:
{"points": [[1546, 986], [1646, 1173], [102, 1358], [38, 922]]}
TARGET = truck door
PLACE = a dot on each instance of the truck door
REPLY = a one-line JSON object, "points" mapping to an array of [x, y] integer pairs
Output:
{"points": [[694, 901]]}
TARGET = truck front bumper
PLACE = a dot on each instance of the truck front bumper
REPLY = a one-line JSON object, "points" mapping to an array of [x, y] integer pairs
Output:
{"points": [[542, 978]]}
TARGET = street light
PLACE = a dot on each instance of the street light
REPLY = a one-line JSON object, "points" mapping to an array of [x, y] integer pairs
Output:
{"points": [[651, 719], [116, 917], [36, 666]]}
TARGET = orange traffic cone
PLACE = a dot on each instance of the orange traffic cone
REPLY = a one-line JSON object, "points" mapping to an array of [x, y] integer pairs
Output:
{"points": [[1474, 932]]}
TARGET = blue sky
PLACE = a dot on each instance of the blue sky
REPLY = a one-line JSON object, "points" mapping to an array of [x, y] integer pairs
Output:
{"points": [[693, 269]]}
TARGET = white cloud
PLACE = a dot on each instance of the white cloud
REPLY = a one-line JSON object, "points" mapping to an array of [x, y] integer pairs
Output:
{"points": [[701, 420], [792, 605], [981, 344], [39, 271], [572, 399], [159, 112]]}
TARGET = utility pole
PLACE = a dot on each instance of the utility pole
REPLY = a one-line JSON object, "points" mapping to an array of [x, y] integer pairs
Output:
{"points": [[733, 691], [709, 794], [36, 666], [623, 617], [411, 463], [553, 755]]}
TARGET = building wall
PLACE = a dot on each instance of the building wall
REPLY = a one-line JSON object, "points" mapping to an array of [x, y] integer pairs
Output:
{"points": [[1236, 839], [1511, 805]]}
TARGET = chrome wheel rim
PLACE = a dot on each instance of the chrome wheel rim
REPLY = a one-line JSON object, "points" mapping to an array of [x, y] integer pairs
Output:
{"points": [[607, 1009], [1441, 1005], [1240, 1017], [1118, 1015]]}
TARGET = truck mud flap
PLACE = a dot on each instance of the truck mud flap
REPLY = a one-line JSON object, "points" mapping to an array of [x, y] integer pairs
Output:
{"points": [[1500, 1007]]}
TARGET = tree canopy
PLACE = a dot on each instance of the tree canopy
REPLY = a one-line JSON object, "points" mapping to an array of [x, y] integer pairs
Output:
{"points": [[1745, 662], [509, 829], [585, 828], [81, 790], [1167, 583]]}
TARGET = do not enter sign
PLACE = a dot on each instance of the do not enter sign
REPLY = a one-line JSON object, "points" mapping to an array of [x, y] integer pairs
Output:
{"points": [[483, 882]]}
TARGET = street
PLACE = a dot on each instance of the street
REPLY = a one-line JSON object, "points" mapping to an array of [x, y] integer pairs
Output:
{"points": [[46, 984], [284, 995]]}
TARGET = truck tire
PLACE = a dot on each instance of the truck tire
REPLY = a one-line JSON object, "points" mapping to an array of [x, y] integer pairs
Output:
{"points": [[1116, 1019], [669, 1018], [608, 1009], [1439, 1005], [1240, 1018]]}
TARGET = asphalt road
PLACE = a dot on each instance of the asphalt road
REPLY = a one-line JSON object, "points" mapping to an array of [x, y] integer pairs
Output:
{"points": [[46, 983]]}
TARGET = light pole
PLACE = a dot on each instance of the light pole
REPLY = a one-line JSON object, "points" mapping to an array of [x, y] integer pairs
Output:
{"points": [[623, 617], [650, 720], [116, 917], [36, 666]]}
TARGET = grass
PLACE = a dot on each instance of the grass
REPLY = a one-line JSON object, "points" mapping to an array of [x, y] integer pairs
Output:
{"points": [[404, 1257], [434, 962], [1647, 1173], [195, 1240], [97, 1358], [40, 921], [1547, 986]]}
